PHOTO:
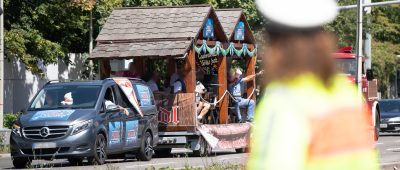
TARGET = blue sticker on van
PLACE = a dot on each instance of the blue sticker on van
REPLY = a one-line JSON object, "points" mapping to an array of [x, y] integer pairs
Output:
{"points": [[115, 133], [131, 132], [52, 115]]}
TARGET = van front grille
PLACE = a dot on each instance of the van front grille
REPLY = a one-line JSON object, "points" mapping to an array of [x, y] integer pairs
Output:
{"points": [[45, 132]]}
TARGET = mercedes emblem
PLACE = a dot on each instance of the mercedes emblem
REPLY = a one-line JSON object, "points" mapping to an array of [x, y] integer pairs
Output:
{"points": [[44, 132]]}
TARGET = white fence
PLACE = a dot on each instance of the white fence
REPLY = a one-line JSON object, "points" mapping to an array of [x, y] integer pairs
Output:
{"points": [[21, 85]]}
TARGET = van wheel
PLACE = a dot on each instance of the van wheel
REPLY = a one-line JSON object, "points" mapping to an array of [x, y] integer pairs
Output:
{"points": [[146, 148], [204, 150], [75, 161], [99, 149], [22, 162]]}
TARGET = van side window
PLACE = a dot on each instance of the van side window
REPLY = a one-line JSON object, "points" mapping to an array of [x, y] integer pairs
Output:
{"points": [[144, 95], [109, 97], [122, 99]]}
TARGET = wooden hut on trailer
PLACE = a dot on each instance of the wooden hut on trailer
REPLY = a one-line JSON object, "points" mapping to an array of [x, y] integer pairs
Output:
{"points": [[166, 33], [187, 34]]}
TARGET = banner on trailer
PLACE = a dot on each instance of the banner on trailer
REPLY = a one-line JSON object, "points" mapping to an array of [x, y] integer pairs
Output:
{"points": [[127, 88], [226, 136]]}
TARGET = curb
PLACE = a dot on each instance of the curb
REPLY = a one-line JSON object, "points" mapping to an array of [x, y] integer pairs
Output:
{"points": [[7, 155], [391, 166]]}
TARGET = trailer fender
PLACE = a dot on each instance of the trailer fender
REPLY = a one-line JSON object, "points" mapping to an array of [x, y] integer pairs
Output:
{"points": [[374, 108]]}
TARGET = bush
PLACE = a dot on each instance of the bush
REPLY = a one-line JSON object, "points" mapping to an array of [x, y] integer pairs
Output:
{"points": [[9, 119]]}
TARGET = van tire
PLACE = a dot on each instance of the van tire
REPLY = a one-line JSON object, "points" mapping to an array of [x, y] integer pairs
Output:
{"points": [[99, 151], [21, 162], [377, 124], [146, 148]]}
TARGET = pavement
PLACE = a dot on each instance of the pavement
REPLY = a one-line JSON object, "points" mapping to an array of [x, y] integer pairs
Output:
{"points": [[180, 159], [388, 146], [389, 150]]}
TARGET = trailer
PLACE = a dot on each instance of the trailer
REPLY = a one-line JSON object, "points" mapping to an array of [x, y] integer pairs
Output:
{"points": [[199, 38]]}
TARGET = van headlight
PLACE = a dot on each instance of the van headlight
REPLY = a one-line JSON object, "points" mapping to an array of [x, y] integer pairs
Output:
{"points": [[81, 126], [16, 129]]}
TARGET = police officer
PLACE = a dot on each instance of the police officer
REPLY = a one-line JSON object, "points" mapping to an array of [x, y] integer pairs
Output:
{"points": [[310, 117]]}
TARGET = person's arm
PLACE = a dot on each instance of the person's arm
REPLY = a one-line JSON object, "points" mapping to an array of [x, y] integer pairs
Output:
{"points": [[251, 77]]}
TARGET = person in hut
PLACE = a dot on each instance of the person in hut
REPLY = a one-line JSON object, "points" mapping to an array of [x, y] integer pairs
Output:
{"points": [[236, 90]]}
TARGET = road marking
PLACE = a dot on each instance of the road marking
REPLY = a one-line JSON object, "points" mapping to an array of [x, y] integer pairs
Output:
{"points": [[393, 149], [222, 159], [379, 143], [166, 163]]}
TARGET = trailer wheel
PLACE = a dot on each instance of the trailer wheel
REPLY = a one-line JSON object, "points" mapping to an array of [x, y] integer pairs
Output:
{"points": [[242, 150], [204, 150], [163, 151]]}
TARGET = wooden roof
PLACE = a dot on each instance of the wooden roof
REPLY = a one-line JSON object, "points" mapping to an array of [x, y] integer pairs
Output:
{"points": [[229, 18], [153, 31]]}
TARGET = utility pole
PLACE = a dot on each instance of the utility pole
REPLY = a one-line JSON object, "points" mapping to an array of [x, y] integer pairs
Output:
{"points": [[91, 44], [1, 65], [359, 45], [368, 39]]}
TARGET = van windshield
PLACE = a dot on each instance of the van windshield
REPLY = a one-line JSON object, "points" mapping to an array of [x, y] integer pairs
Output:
{"points": [[66, 97]]}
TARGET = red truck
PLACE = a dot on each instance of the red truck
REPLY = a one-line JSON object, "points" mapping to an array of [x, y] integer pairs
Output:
{"points": [[347, 64]]}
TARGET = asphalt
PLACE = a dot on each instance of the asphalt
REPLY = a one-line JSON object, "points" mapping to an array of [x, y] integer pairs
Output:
{"points": [[388, 146], [180, 159], [389, 150]]}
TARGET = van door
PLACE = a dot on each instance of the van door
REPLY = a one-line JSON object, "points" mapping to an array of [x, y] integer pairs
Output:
{"points": [[113, 122], [130, 123], [149, 109]]}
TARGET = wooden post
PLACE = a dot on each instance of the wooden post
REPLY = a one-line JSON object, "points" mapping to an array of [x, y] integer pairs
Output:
{"points": [[190, 69], [105, 68], [139, 65], [223, 86], [251, 66]]}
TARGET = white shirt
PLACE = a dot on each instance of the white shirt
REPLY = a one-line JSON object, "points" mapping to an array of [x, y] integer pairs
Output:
{"points": [[153, 85], [173, 79], [177, 86], [108, 103]]}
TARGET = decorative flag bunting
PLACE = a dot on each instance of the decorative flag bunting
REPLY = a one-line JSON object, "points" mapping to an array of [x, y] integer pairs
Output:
{"points": [[231, 50]]}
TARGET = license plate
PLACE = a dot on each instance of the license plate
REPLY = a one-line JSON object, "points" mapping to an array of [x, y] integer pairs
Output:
{"points": [[42, 145], [384, 125]]}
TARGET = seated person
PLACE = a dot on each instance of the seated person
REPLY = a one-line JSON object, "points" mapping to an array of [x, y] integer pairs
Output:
{"points": [[153, 82], [49, 101], [202, 107], [236, 91], [109, 101], [130, 73]]}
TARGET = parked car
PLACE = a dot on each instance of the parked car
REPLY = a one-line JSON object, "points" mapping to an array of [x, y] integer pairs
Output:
{"points": [[77, 120], [390, 115]]}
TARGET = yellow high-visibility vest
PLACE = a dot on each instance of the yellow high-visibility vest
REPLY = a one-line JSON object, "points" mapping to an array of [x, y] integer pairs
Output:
{"points": [[301, 124]]}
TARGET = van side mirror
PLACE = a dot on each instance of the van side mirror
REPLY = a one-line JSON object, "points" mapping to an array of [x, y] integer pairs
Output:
{"points": [[112, 109], [370, 75]]}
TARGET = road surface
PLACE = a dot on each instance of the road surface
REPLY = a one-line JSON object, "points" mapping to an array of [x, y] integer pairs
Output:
{"points": [[388, 146]]}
